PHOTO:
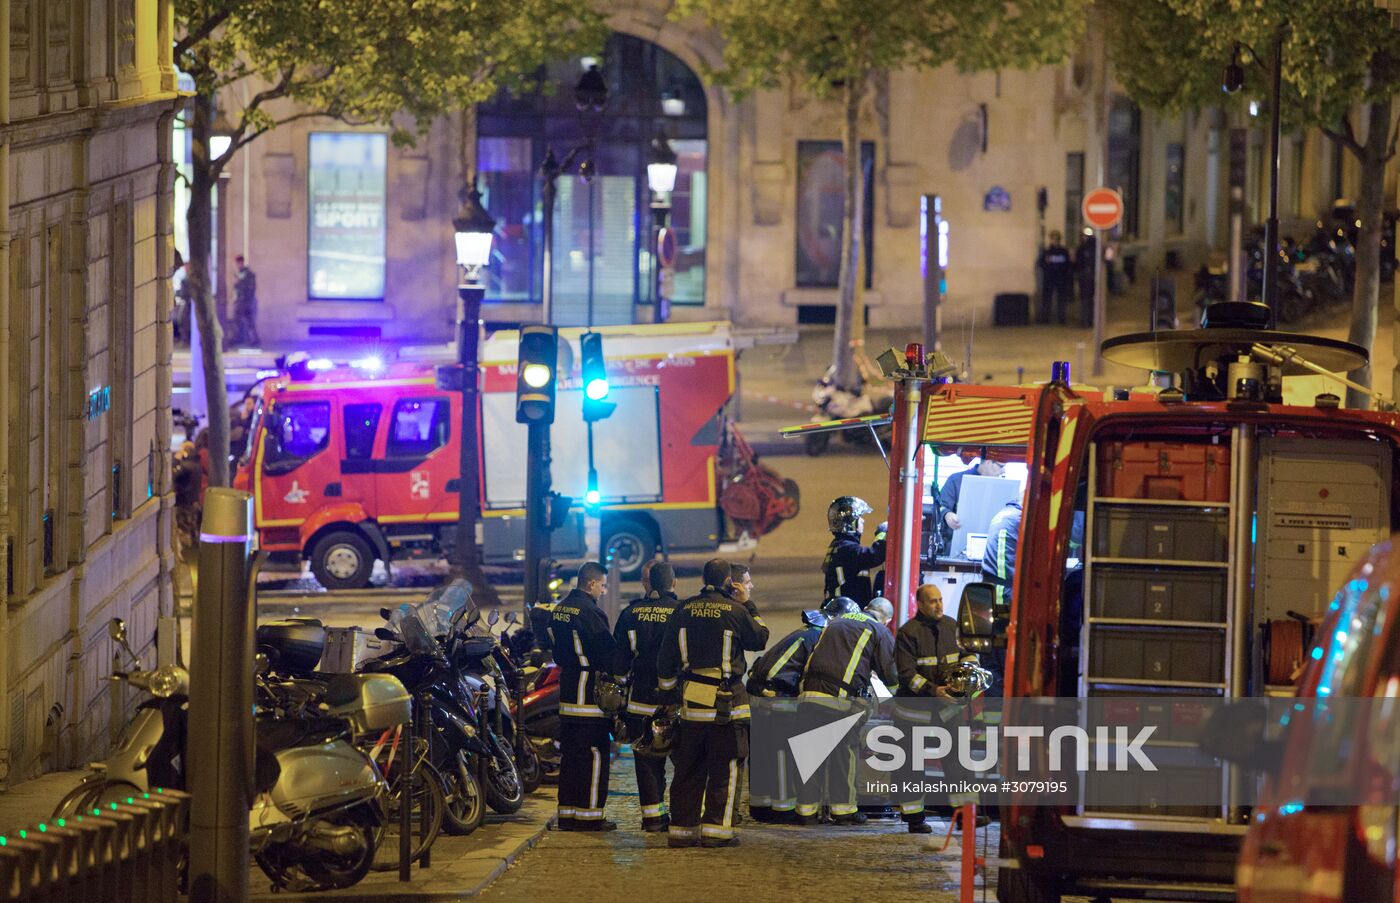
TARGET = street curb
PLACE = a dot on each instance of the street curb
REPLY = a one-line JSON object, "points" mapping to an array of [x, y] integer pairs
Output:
{"points": [[508, 860]]}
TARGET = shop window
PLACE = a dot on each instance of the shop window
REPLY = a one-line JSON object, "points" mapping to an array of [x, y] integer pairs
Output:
{"points": [[346, 226], [296, 432], [419, 427], [361, 424], [820, 203]]}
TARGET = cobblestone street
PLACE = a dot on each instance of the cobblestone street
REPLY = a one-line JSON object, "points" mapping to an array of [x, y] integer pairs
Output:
{"points": [[831, 863]]}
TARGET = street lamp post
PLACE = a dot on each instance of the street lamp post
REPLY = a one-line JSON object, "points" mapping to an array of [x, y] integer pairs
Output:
{"points": [[661, 179], [473, 230], [1232, 82]]}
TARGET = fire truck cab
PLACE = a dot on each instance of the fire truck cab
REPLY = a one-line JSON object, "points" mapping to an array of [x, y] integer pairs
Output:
{"points": [[1209, 512], [349, 464]]}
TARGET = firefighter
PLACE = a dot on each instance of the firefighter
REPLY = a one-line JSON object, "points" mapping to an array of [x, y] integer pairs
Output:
{"points": [[855, 646], [638, 634], [948, 522], [999, 560], [847, 563], [583, 647], [1057, 277], [775, 676], [702, 653], [926, 648]]}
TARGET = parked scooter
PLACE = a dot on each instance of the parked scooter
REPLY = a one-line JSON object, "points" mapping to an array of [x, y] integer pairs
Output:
{"points": [[319, 801]]}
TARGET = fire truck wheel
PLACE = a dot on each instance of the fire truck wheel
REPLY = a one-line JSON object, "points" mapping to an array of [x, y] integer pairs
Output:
{"points": [[1015, 886], [631, 544], [342, 559]]}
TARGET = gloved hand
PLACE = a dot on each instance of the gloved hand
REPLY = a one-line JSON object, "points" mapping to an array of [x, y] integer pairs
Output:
{"points": [[881, 530]]}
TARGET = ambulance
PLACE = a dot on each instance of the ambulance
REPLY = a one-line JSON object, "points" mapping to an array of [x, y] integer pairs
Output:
{"points": [[1212, 515], [356, 462]]}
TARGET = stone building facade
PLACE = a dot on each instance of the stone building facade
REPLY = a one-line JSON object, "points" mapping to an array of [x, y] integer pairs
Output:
{"points": [[85, 253], [756, 239]]}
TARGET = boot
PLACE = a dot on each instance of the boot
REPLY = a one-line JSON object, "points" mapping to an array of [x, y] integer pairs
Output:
{"points": [[656, 824], [715, 842], [854, 818], [920, 826]]}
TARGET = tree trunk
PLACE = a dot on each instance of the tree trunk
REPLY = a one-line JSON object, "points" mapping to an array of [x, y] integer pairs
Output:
{"points": [[200, 225], [1370, 201], [852, 230]]}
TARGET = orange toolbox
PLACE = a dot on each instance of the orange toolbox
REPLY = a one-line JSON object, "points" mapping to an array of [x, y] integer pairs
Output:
{"points": [[1179, 471]]}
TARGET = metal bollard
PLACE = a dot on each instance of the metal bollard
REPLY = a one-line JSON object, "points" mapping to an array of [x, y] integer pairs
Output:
{"points": [[26, 861]]}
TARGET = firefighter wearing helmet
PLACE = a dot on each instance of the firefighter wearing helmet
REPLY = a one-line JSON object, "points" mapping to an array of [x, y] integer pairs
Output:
{"points": [[848, 563]]}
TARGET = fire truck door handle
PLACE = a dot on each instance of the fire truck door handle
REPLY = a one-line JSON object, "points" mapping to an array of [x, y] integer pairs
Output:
{"points": [[332, 490]]}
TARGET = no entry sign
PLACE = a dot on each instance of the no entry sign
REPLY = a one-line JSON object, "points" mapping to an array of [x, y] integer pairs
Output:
{"points": [[1103, 208]]}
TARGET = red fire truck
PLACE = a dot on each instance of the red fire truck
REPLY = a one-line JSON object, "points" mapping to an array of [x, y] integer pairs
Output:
{"points": [[357, 462], [1210, 512]]}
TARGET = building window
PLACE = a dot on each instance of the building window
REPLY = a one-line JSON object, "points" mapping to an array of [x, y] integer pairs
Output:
{"points": [[346, 227], [1074, 194], [1124, 159], [1174, 203], [603, 263], [820, 203]]}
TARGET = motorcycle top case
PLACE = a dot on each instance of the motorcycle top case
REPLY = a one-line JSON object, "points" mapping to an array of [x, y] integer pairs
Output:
{"points": [[369, 702], [1177, 471], [295, 644]]}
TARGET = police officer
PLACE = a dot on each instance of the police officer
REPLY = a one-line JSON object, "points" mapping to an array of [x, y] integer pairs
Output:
{"points": [[847, 563], [775, 675], [640, 629], [702, 653], [854, 646], [926, 648], [1057, 275], [583, 647]]}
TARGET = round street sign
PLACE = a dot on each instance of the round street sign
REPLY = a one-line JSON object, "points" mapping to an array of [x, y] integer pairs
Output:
{"points": [[666, 247], [1103, 208]]}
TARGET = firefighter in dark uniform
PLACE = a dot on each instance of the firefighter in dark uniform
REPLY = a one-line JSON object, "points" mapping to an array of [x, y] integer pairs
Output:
{"points": [[926, 648], [999, 568], [854, 646], [583, 647], [775, 676], [1057, 279], [848, 563], [703, 654], [640, 629]]}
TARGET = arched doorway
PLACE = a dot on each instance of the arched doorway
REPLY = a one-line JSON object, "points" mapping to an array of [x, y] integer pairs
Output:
{"points": [[603, 228]]}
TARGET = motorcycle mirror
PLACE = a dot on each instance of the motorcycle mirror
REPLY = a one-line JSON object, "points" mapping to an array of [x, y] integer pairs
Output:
{"points": [[385, 613], [116, 629], [385, 633], [510, 617], [473, 617], [261, 664], [493, 617]]}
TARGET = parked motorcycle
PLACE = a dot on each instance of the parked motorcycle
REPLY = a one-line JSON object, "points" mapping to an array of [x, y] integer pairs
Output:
{"points": [[319, 801]]}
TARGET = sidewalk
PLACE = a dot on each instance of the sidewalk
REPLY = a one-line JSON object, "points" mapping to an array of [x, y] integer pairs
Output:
{"points": [[27, 803]]}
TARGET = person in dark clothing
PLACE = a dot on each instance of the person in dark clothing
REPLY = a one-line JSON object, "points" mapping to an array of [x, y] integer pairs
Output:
{"points": [[999, 561], [926, 649], [853, 649], [948, 496], [583, 647], [847, 564], [640, 628], [1057, 275], [775, 675], [1085, 258], [702, 653], [243, 324]]}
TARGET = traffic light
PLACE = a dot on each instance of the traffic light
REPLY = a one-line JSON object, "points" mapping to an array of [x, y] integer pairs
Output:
{"points": [[534, 375], [593, 496], [595, 378]]}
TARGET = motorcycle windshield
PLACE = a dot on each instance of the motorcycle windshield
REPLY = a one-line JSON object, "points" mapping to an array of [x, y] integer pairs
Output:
{"points": [[447, 608]]}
